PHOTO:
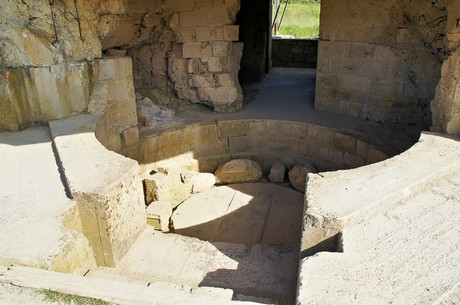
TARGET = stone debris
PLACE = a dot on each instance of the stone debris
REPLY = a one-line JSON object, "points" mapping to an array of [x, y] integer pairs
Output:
{"points": [[238, 171], [198, 182], [167, 186], [158, 214], [277, 173], [175, 186], [152, 115], [298, 176]]}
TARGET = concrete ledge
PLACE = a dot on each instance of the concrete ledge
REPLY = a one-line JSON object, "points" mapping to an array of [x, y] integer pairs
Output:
{"points": [[105, 185], [396, 225], [365, 191], [113, 291], [39, 224]]}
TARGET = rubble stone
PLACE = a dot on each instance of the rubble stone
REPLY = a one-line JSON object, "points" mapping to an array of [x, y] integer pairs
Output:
{"points": [[238, 171], [166, 186], [277, 172], [298, 176], [158, 214], [198, 182]]}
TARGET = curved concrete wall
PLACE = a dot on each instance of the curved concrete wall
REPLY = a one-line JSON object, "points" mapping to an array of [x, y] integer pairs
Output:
{"points": [[205, 146]]}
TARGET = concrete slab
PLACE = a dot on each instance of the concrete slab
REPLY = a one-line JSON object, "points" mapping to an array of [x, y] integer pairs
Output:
{"points": [[34, 206], [250, 213], [258, 271], [399, 223], [344, 198]]}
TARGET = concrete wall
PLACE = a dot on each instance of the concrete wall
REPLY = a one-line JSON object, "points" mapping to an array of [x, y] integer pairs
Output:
{"points": [[301, 53], [380, 60], [204, 147]]}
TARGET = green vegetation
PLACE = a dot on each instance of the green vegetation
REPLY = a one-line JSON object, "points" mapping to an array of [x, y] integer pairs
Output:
{"points": [[62, 298], [301, 18]]}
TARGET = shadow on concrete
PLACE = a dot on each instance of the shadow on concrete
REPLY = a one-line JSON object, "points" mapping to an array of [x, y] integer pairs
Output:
{"points": [[260, 228]]}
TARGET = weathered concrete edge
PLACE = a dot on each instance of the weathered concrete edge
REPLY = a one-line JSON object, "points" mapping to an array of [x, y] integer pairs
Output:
{"points": [[322, 222], [110, 231], [324, 226], [113, 291]]}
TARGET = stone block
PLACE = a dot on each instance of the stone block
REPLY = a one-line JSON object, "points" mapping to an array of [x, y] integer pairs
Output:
{"points": [[178, 5], [190, 66], [185, 34], [218, 17], [238, 171], [39, 94], [23, 47], [193, 18], [221, 48], [206, 50], [218, 95], [331, 155], [214, 64], [320, 135], [231, 32], [225, 80], [191, 50], [344, 142], [277, 173], [362, 149], [198, 182], [166, 186], [158, 215], [211, 33], [105, 185], [228, 129], [298, 176]]}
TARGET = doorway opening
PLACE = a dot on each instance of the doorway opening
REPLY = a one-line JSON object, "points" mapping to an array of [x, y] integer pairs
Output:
{"points": [[260, 20], [295, 19]]}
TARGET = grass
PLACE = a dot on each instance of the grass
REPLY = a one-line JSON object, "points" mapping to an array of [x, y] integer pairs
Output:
{"points": [[301, 19], [62, 298]]}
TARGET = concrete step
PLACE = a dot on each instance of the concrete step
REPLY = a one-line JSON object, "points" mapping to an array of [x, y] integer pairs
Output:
{"points": [[267, 273], [399, 232], [38, 225], [109, 290], [105, 186]]}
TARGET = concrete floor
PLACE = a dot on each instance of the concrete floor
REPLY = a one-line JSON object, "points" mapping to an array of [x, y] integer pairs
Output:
{"points": [[249, 213], [248, 246]]}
